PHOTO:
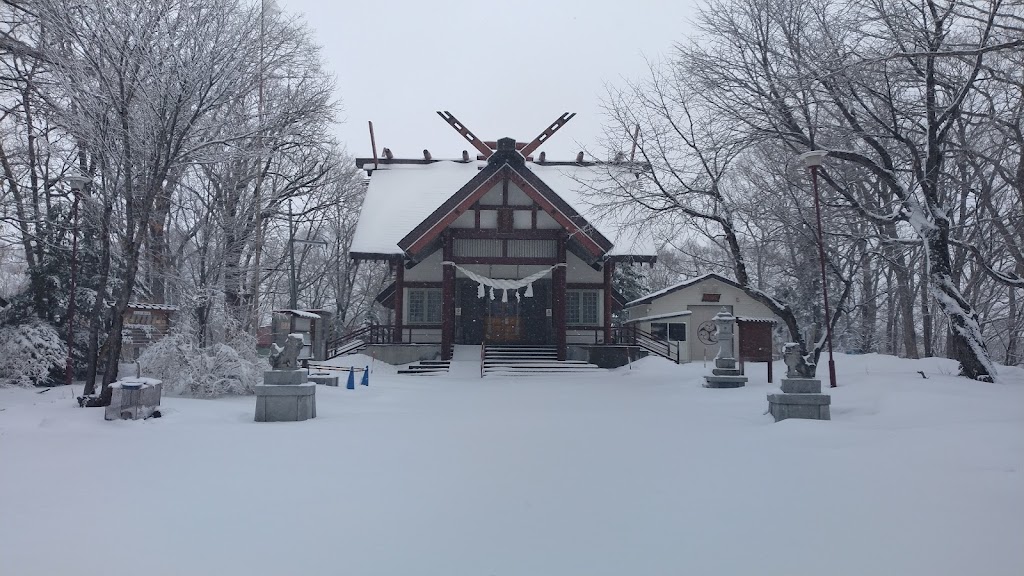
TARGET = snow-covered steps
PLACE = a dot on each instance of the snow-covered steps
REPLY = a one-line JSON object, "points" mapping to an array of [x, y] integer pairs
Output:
{"points": [[427, 367], [350, 347], [508, 360]]}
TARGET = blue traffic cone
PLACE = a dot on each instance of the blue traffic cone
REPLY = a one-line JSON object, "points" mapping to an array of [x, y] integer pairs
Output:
{"points": [[366, 376], [351, 385]]}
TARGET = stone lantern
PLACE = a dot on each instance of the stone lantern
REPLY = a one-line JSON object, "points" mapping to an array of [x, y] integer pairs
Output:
{"points": [[725, 374]]}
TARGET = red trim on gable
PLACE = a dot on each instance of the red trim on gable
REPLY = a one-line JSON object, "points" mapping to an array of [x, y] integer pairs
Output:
{"points": [[582, 233], [591, 240], [428, 230]]}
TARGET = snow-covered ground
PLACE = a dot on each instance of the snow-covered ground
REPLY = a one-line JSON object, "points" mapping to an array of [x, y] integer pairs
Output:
{"points": [[634, 471]]}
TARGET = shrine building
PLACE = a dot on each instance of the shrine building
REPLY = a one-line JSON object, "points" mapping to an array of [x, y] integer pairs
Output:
{"points": [[500, 248]]}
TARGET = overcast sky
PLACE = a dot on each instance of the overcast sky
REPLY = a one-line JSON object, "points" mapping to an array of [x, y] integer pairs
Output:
{"points": [[504, 68]]}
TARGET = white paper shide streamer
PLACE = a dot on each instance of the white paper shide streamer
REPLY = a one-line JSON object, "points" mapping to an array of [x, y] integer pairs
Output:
{"points": [[505, 285]]}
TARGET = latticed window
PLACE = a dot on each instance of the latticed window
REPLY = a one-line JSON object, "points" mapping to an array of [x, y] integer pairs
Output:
{"points": [[581, 307], [424, 306]]}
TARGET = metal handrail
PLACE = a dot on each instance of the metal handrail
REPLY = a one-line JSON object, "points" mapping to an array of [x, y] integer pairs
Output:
{"points": [[372, 334], [483, 354], [647, 341]]}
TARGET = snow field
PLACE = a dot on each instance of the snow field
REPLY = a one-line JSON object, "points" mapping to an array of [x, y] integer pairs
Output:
{"points": [[633, 471]]}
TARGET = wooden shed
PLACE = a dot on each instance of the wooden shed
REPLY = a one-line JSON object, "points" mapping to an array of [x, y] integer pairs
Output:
{"points": [[314, 325], [144, 324]]}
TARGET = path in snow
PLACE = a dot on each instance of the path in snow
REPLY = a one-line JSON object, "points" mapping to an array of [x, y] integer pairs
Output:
{"points": [[465, 362]]}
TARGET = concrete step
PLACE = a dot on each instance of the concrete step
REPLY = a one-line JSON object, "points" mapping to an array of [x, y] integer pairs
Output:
{"points": [[521, 353], [532, 362], [534, 372], [521, 348], [549, 365], [520, 358], [422, 372], [427, 367]]}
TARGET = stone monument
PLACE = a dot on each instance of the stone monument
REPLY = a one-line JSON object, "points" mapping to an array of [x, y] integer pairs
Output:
{"points": [[725, 374], [285, 395], [801, 395]]}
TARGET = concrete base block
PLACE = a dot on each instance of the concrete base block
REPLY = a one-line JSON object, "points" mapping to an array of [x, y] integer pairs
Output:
{"points": [[801, 386], [726, 372], [724, 381], [133, 399], [324, 379], [604, 355], [806, 406], [728, 363], [398, 354], [285, 403], [284, 377]]}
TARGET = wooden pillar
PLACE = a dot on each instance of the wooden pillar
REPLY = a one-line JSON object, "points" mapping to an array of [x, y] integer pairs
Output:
{"points": [[399, 265], [558, 299], [609, 271], [447, 299]]}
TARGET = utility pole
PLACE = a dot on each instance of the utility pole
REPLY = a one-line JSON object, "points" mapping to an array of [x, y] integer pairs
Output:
{"points": [[257, 200], [293, 271], [293, 292], [77, 183]]}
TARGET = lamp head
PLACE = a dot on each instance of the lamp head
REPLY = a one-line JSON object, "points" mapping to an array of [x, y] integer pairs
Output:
{"points": [[814, 158], [76, 180]]}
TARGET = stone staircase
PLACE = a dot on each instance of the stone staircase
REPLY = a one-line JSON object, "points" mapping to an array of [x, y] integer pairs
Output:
{"points": [[521, 360]]}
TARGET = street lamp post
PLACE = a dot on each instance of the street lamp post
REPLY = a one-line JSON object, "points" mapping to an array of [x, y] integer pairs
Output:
{"points": [[812, 161], [77, 182], [293, 280]]}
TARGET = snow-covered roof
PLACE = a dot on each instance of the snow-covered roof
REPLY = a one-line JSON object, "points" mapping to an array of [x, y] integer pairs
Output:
{"points": [[754, 319], [300, 313], [148, 306], [680, 286], [401, 196], [660, 316]]}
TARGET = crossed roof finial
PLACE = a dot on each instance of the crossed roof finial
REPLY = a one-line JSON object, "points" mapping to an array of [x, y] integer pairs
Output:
{"points": [[484, 147]]}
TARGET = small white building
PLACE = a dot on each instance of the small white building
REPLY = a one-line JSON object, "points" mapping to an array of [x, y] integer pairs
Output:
{"points": [[682, 315]]}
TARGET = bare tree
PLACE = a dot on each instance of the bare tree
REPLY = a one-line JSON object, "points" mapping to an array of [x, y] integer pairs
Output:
{"points": [[881, 86]]}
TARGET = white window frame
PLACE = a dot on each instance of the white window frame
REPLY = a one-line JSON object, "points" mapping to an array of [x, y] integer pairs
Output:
{"points": [[429, 316], [668, 330], [574, 315]]}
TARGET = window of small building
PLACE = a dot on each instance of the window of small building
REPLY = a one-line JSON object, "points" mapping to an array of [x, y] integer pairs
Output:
{"points": [[710, 297], [424, 306], [581, 307], [673, 331]]}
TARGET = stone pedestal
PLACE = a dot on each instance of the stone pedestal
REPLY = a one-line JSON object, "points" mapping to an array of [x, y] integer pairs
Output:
{"points": [[725, 373], [801, 386], [801, 396], [284, 377], [134, 399], [288, 403], [324, 379], [285, 396], [806, 406]]}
